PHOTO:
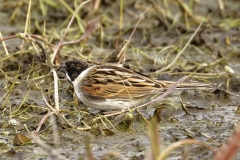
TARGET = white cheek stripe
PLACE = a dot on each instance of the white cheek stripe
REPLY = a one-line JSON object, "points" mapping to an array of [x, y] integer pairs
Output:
{"points": [[82, 75], [68, 77]]}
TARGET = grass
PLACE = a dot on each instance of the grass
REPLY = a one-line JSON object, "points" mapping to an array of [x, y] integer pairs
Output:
{"points": [[54, 30]]}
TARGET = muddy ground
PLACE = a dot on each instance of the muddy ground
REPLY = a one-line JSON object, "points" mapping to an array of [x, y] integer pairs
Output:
{"points": [[212, 57]]}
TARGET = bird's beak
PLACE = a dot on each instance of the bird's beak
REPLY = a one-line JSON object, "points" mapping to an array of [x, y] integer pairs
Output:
{"points": [[62, 68]]}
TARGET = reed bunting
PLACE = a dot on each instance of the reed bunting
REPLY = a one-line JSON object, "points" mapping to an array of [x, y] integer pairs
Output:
{"points": [[110, 87]]}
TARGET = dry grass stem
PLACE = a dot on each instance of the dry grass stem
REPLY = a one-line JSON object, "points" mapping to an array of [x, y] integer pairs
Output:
{"points": [[4, 46], [163, 155], [121, 53], [56, 55], [182, 51]]}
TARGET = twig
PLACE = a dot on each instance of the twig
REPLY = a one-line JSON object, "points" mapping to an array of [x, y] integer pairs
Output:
{"points": [[121, 53], [48, 105], [56, 95], [55, 58], [4, 46], [53, 111], [8, 38], [42, 121], [91, 27]]}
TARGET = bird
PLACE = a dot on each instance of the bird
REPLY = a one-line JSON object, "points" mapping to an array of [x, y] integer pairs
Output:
{"points": [[111, 87]]}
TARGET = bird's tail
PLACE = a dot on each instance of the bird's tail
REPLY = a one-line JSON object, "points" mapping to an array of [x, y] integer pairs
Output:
{"points": [[190, 85]]}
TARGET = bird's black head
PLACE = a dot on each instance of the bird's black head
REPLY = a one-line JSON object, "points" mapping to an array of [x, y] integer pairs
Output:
{"points": [[73, 69]]}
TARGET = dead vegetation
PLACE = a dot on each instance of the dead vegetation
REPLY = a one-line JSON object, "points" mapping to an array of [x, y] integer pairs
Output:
{"points": [[41, 117]]}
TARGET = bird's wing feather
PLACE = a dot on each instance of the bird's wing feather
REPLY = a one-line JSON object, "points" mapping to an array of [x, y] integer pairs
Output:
{"points": [[114, 82]]}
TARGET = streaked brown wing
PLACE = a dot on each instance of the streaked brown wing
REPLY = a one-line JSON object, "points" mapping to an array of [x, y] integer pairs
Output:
{"points": [[114, 91], [114, 82]]}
